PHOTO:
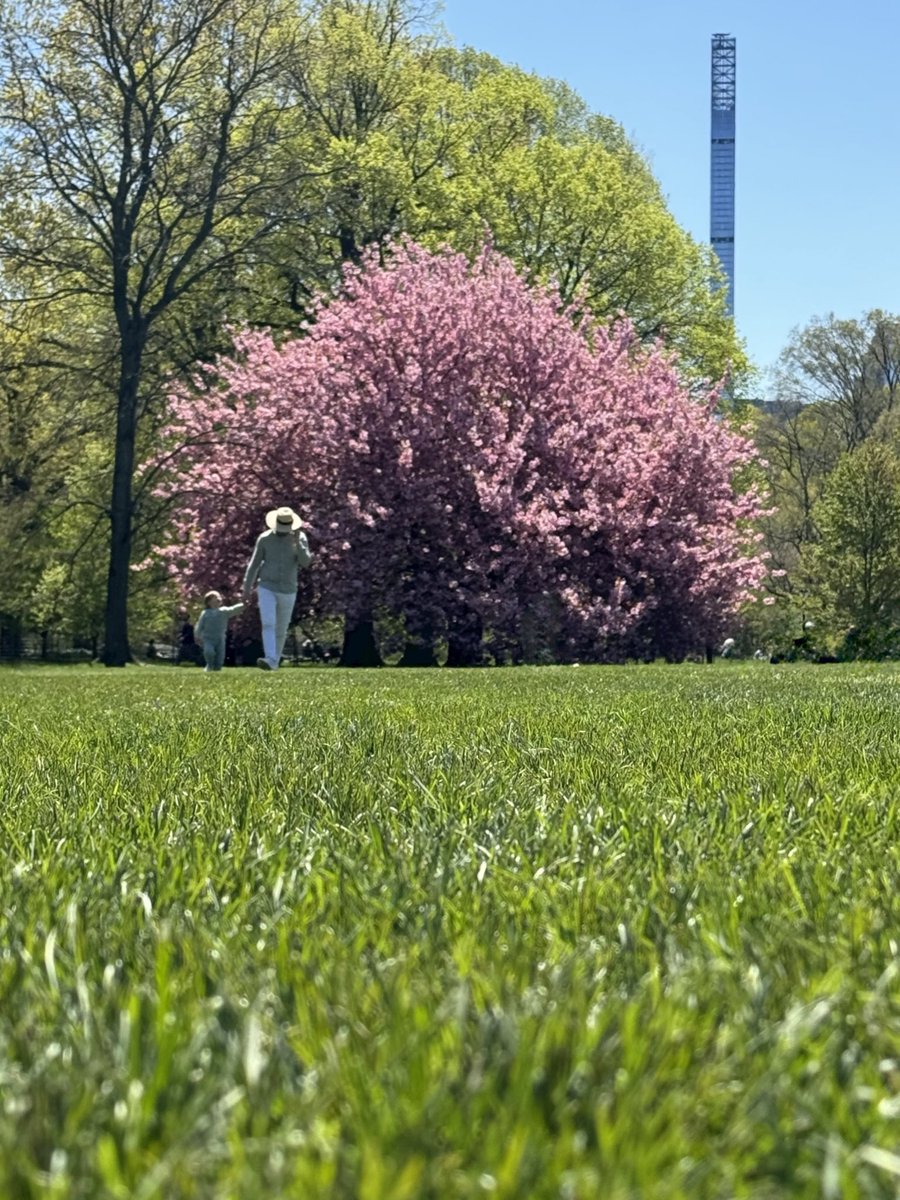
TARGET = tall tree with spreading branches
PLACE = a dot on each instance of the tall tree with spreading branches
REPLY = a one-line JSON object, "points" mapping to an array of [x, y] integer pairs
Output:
{"points": [[144, 156]]}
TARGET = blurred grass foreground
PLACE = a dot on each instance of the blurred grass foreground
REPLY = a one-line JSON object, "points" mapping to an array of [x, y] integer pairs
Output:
{"points": [[606, 932]]}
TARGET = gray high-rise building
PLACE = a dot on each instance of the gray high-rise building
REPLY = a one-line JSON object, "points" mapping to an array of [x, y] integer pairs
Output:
{"points": [[721, 167]]}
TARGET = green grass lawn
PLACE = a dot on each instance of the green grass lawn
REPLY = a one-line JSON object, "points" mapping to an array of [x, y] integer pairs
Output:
{"points": [[575, 933]]}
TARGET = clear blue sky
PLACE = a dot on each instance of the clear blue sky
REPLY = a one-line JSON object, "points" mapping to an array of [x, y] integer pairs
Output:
{"points": [[818, 131]]}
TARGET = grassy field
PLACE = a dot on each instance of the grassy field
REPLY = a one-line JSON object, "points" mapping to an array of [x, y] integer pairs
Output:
{"points": [[572, 933]]}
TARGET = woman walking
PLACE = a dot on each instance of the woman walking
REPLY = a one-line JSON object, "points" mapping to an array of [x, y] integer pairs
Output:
{"points": [[279, 553]]}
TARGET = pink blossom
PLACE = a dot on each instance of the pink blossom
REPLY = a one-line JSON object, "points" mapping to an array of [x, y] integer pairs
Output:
{"points": [[442, 420]]}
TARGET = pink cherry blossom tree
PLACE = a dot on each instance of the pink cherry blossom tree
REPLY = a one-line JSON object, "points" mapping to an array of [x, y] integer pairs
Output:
{"points": [[468, 455]]}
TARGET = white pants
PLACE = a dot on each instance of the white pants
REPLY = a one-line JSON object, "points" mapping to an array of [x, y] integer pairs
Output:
{"points": [[275, 611]]}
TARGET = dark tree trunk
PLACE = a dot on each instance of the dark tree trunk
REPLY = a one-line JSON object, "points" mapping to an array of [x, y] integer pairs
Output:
{"points": [[360, 648], [464, 648], [350, 251], [116, 650], [420, 638], [418, 654], [11, 639]]}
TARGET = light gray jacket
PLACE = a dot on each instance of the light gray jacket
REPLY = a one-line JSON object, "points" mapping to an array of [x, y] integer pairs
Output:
{"points": [[276, 559]]}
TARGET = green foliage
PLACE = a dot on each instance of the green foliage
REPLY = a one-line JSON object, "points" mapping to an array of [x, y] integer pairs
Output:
{"points": [[592, 219], [619, 932], [143, 162], [857, 557], [415, 137], [48, 417], [849, 368], [836, 387]]}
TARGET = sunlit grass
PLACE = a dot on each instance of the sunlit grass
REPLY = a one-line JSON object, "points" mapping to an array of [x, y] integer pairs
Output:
{"points": [[537, 933]]}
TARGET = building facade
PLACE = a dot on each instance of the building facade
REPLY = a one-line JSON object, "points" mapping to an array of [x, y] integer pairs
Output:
{"points": [[722, 127]]}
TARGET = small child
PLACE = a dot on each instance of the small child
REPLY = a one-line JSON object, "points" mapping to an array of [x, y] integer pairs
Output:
{"points": [[213, 627]]}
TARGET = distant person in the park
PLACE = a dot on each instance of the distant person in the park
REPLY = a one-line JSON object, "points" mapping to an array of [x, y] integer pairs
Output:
{"points": [[188, 650], [212, 628], [280, 552]]}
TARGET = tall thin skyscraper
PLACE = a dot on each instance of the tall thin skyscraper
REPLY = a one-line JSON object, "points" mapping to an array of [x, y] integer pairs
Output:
{"points": [[721, 166]]}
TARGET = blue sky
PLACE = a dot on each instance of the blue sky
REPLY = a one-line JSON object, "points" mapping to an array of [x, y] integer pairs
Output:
{"points": [[818, 131]]}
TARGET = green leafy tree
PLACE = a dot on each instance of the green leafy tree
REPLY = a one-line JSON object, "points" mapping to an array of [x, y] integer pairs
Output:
{"points": [[46, 413], [415, 137], [857, 557], [800, 448], [850, 368], [142, 161], [836, 386], [592, 219]]}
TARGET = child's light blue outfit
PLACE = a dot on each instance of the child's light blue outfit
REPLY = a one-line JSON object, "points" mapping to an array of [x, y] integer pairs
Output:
{"points": [[211, 630]]}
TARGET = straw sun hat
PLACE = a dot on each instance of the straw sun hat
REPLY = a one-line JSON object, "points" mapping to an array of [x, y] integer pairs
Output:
{"points": [[283, 520]]}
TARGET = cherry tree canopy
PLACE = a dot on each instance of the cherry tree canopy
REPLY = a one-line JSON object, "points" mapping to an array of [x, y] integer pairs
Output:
{"points": [[470, 457]]}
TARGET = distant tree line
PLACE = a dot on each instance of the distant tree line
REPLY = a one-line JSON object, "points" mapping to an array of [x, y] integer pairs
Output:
{"points": [[831, 440]]}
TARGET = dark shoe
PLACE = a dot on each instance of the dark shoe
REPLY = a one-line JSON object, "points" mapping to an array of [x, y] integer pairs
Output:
{"points": [[264, 664]]}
